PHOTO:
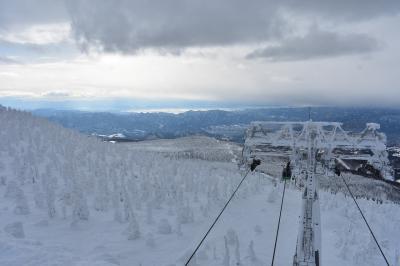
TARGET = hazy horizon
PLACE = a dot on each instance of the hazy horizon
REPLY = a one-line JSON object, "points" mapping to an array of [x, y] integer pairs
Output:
{"points": [[152, 106], [258, 52]]}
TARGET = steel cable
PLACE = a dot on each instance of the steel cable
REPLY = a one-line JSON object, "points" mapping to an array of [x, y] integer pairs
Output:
{"points": [[365, 220], [216, 219], [279, 222]]}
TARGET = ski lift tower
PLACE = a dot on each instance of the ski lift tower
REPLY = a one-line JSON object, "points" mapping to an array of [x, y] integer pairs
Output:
{"points": [[312, 148]]}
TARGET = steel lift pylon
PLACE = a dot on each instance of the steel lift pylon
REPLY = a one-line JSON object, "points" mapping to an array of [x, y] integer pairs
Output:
{"points": [[308, 248], [310, 146]]}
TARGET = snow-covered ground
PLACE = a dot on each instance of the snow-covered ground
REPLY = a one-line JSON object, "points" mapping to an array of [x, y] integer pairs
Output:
{"points": [[395, 150], [193, 147], [72, 200]]}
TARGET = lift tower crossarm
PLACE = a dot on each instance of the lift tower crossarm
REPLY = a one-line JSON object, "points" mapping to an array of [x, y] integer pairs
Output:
{"points": [[306, 144]]}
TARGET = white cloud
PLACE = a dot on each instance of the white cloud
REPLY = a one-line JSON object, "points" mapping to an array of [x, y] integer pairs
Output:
{"points": [[9, 74], [170, 77], [37, 34], [16, 93], [8, 60]]}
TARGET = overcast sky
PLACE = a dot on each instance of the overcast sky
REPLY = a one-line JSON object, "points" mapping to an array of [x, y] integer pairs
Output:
{"points": [[288, 52]]}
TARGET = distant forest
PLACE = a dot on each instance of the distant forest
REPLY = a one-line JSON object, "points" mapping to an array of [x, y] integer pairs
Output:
{"points": [[222, 124]]}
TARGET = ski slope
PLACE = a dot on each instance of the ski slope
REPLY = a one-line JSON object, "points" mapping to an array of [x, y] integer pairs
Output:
{"points": [[72, 200]]}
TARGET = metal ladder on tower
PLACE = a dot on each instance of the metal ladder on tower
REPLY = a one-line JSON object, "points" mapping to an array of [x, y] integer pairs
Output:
{"points": [[307, 252]]}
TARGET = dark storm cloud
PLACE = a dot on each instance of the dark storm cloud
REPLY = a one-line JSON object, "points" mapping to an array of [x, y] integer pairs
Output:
{"points": [[344, 9], [20, 12], [129, 25], [317, 44]]}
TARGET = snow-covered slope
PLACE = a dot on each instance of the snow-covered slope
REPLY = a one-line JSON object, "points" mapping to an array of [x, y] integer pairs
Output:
{"points": [[69, 199], [193, 147]]}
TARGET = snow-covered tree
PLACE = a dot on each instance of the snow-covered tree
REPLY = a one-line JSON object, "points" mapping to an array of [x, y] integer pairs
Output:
{"points": [[102, 190], [80, 210], [227, 258], [231, 236], [178, 227], [116, 199], [164, 227], [48, 183], [149, 213], [185, 214], [251, 255], [237, 251], [21, 206], [150, 242], [133, 228], [11, 190], [273, 195]]}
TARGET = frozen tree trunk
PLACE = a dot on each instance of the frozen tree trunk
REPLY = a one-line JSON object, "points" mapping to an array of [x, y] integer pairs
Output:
{"points": [[101, 199], [237, 251], [226, 261], [158, 197], [150, 240], [38, 196], [133, 228], [178, 228], [149, 213], [196, 196], [185, 214], [127, 203], [22, 206], [65, 201], [215, 257], [250, 252], [397, 257], [64, 211], [132, 186], [11, 190], [116, 201], [15, 229], [164, 227], [273, 195], [80, 209], [50, 196], [231, 236]]}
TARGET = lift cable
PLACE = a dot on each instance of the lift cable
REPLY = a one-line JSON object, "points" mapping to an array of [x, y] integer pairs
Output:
{"points": [[279, 222], [216, 219], [365, 220]]}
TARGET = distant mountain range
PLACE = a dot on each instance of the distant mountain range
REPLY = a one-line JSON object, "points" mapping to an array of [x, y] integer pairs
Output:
{"points": [[228, 125]]}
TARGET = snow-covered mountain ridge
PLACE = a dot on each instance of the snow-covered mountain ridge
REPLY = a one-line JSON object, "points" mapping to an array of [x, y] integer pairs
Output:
{"points": [[69, 199]]}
